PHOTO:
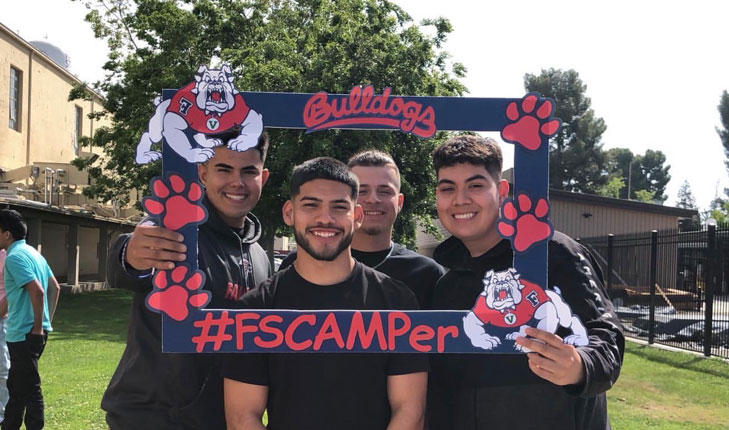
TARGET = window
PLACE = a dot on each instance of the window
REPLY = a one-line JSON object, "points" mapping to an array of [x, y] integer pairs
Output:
{"points": [[16, 81], [78, 131]]}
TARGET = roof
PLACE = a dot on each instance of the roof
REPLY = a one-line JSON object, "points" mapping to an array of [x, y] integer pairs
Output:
{"points": [[65, 212], [622, 203], [48, 59], [593, 199]]}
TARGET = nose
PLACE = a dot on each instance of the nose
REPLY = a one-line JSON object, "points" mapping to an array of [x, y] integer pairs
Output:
{"points": [[462, 197], [324, 216], [369, 197], [238, 181]]}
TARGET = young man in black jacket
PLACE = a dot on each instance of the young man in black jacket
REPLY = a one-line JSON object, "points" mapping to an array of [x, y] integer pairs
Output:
{"points": [[326, 390], [557, 386], [372, 245], [152, 390]]}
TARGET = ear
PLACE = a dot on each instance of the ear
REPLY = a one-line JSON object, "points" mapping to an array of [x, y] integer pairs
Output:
{"points": [[200, 71], [358, 216], [202, 173], [288, 213], [400, 201], [503, 189], [264, 176]]}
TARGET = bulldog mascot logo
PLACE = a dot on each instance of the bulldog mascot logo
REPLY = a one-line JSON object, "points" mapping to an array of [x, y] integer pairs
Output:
{"points": [[508, 302], [208, 106]]}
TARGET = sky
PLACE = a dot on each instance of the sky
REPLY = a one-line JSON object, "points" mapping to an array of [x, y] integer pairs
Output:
{"points": [[655, 70]]}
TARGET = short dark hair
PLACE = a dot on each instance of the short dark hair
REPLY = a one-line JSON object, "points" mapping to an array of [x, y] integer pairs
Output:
{"points": [[322, 168], [476, 150], [373, 158], [227, 135], [13, 222]]}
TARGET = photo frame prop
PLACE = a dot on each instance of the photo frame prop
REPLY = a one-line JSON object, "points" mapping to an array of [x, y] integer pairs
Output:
{"points": [[185, 124]]}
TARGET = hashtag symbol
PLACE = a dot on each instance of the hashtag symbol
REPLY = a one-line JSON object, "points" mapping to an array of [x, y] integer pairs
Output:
{"points": [[218, 325]]}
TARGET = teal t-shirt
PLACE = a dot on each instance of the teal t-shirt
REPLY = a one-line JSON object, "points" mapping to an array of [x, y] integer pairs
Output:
{"points": [[22, 265]]}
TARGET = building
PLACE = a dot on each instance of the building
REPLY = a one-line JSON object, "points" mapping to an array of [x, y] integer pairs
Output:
{"points": [[585, 215], [39, 137]]}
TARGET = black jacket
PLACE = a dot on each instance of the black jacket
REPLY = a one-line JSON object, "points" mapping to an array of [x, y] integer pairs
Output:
{"points": [[152, 390], [491, 391]]}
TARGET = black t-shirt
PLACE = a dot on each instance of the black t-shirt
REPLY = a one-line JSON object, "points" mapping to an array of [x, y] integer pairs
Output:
{"points": [[325, 390], [416, 271]]}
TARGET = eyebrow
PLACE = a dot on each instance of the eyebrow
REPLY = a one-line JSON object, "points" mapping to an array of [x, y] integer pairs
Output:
{"points": [[472, 178], [227, 166], [318, 200], [476, 177]]}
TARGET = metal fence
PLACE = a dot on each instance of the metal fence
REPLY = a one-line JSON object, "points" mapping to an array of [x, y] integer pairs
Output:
{"points": [[670, 286]]}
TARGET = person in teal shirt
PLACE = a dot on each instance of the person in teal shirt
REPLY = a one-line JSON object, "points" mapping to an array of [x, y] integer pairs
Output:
{"points": [[30, 308]]}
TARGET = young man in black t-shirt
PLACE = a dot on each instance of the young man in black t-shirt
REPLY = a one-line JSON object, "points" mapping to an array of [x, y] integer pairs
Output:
{"points": [[326, 391], [558, 386], [381, 200]]}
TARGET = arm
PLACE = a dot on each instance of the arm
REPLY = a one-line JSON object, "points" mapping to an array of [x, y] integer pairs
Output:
{"points": [[574, 270], [244, 405], [3, 307], [35, 291], [54, 291], [406, 394]]}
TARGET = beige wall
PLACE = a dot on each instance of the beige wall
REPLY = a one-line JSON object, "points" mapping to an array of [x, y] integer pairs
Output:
{"points": [[47, 117], [569, 218]]}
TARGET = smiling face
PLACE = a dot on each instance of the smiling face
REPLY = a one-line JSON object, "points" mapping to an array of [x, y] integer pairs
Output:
{"points": [[468, 199], [380, 198], [324, 217], [233, 182]]}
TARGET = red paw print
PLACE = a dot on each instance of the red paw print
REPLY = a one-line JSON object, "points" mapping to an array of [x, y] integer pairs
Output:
{"points": [[525, 225], [175, 208], [529, 122], [176, 291]]}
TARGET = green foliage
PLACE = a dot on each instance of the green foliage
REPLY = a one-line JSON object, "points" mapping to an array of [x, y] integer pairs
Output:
{"points": [[644, 196], [612, 188], [647, 172], [576, 159], [272, 45]]}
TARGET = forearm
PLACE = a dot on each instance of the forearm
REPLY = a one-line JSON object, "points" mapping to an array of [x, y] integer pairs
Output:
{"points": [[602, 360], [36, 300], [54, 291], [3, 307]]}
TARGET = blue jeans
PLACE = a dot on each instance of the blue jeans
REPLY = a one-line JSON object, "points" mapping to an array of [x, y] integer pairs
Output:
{"points": [[4, 367]]}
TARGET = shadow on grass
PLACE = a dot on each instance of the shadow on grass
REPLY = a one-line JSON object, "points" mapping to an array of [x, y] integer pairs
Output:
{"points": [[98, 315], [711, 366]]}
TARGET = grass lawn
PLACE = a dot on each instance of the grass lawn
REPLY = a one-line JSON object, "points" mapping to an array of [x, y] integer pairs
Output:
{"points": [[656, 390]]}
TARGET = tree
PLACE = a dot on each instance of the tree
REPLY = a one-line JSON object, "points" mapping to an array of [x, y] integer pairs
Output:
{"points": [[644, 196], [612, 188], [272, 45], [724, 130], [685, 198], [576, 159], [646, 172]]}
